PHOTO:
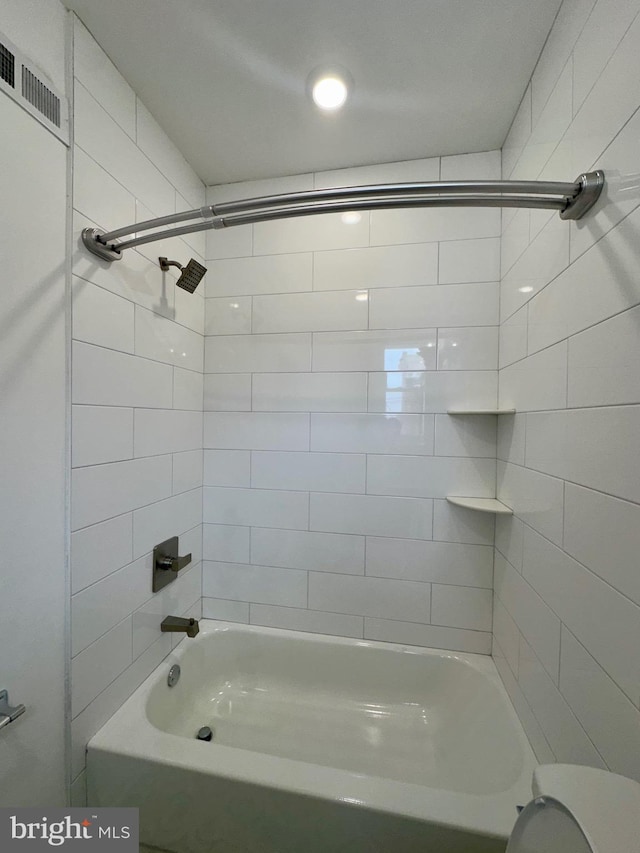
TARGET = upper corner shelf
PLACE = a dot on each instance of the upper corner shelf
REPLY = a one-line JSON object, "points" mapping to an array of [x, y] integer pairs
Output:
{"points": [[481, 505], [481, 411]]}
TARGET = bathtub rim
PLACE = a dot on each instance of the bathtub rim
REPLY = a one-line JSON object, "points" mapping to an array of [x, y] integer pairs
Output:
{"points": [[130, 733]]}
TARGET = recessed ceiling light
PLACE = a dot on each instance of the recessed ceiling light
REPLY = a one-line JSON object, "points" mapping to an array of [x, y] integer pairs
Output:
{"points": [[330, 93], [329, 88], [526, 289]]}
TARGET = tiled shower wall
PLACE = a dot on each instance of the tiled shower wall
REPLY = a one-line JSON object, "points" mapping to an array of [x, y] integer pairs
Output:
{"points": [[137, 400], [567, 575], [335, 346]]}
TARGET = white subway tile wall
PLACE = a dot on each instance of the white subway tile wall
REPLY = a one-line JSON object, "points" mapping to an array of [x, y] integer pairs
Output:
{"points": [[333, 351], [567, 588], [137, 394]]}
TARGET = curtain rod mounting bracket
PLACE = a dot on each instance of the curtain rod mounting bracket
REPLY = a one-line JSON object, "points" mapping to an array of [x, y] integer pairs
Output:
{"points": [[92, 241], [591, 185]]}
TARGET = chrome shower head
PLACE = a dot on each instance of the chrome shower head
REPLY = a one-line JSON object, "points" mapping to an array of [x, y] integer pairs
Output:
{"points": [[191, 276]]}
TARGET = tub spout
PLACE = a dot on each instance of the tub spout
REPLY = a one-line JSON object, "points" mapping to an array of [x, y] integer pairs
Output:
{"points": [[177, 623]]}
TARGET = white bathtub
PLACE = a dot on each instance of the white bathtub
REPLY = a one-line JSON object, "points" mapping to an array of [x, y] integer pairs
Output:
{"points": [[321, 744]]}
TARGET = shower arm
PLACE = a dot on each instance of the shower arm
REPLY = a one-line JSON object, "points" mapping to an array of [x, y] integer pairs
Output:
{"points": [[571, 200]]}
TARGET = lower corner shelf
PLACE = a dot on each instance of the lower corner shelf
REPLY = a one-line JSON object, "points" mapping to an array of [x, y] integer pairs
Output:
{"points": [[481, 505], [481, 411]]}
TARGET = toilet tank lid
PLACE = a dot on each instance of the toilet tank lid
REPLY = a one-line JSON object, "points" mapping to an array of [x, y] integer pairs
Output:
{"points": [[606, 806]]}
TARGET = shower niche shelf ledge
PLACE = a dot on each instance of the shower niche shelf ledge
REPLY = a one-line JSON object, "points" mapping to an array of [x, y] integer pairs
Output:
{"points": [[481, 505], [481, 411]]}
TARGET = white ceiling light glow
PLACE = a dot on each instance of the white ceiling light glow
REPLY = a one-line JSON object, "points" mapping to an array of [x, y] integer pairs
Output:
{"points": [[329, 88], [329, 93]]}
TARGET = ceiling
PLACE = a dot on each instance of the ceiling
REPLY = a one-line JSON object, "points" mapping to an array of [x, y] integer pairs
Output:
{"points": [[226, 79]]}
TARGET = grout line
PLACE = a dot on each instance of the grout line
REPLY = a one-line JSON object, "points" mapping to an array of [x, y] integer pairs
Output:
{"points": [[566, 388], [125, 670], [563, 628], [574, 111], [411, 331], [355, 246], [131, 139], [564, 491], [138, 355], [566, 703], [134, 509], [567, 480], [377, 534], [575, 560], [351, 615]]}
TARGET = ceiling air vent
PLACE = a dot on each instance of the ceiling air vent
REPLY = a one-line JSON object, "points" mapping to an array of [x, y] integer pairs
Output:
{"points": [[22, 80], [7, 66], [40, 96]]}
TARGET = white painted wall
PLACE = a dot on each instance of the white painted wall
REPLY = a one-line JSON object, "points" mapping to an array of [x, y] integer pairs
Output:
{"points": [[333, 352], [137, 400], [567, 580], [32, 415], [37, 28]]}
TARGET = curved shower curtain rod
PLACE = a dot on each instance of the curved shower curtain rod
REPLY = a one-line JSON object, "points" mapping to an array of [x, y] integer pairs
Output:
{"points": [[572, 201]]}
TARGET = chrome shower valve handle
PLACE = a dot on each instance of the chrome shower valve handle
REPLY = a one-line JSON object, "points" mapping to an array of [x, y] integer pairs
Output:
{"points": [[167, 563], [8, 713], [173, 564]]}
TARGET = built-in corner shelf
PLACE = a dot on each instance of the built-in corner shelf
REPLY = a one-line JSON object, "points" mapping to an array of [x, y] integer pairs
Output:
{"points": [[481, 505], [481, 411]]}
